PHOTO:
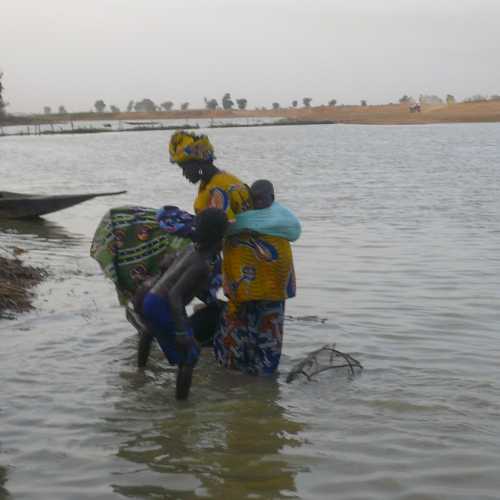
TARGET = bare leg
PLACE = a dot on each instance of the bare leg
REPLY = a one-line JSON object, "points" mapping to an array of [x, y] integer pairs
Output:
{"points": [[183, 382], [143, 348], [145, 338]]}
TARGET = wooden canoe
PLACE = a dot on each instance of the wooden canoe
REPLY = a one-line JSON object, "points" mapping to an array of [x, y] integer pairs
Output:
{"points": [[25, 206]]}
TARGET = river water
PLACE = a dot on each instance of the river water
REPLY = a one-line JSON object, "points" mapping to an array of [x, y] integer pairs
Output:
{"points": [[398, 264]]}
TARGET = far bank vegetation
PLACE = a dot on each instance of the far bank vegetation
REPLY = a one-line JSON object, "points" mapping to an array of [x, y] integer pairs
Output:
{"points": [[431, 108]]}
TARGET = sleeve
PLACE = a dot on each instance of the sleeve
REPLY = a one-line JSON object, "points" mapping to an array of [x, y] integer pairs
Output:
{"points": [[219, 198]]}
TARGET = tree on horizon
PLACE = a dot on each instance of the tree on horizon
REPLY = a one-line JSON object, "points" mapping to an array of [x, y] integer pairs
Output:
{"points": [[476, 98], [184, 106], [47, 110], [3, 104], [363, 103], [145, 106], [295, 103], [241, 103], [276, 105], [130, 106], [307, 102], [62, 110], [167, 105], [114, 109], [100, 106], [332, 103], [211, 104], [227, 102]]}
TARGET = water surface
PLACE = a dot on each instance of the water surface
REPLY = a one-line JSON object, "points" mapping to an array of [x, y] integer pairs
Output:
{"points": [[398, 264]]}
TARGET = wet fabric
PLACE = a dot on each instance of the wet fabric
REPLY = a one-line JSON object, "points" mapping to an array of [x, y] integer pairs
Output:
{"points": [[250, 338], [275, 220], [157, 313]]}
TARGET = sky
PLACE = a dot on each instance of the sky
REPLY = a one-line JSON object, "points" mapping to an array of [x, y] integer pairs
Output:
{"points": [[74, 52]]}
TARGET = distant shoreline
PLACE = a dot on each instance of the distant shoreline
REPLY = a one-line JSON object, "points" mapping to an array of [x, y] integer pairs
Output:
{"points": [[36, 128], [389, 114]]}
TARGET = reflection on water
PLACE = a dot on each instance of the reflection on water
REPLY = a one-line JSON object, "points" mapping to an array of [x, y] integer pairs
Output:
{"points": [[42, 243], [39, 228], [4, 494], [227, 441], [398, 264]]}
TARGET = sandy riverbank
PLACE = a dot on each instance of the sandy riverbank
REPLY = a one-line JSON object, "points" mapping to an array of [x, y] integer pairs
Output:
{"points": [[396, 114], [389, 114]]}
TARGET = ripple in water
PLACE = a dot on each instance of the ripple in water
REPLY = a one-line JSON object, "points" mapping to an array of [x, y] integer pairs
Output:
{"points": [[397, 265]]}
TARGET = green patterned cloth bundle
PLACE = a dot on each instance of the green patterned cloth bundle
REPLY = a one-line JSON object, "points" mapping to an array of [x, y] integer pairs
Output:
{"points": [[129, 245]]}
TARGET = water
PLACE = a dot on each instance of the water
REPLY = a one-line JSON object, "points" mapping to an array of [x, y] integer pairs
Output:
{"points": [[124, 125], [398, 264]]}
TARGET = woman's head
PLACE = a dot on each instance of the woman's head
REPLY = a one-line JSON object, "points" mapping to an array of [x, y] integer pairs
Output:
{"points": [[193, 153], [193, 170]]}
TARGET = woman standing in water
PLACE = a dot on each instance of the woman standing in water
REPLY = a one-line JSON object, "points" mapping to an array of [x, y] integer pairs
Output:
{"points": [[258, 270]]}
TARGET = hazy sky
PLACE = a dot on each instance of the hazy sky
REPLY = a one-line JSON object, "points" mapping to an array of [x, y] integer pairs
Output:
{"points": [[72, 52]]}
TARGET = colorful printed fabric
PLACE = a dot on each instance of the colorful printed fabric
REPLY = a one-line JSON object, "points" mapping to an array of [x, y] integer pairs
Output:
{"points": [[258, 267], [254, 267], [176, 221], [250, 338], [185, 146], [226, 192], [129, 245]]}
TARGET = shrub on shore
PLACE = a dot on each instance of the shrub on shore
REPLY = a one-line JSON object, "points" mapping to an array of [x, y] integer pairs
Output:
{"points": [[16, 282]]}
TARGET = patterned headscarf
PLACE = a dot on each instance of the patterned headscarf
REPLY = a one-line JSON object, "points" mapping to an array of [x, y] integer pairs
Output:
{"points": [[185, 146]]}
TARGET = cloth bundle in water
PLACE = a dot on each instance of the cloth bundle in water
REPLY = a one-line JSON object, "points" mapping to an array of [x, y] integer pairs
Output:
{"points": [[130, 243]]}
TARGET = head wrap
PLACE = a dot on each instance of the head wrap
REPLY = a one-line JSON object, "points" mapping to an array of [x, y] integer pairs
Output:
{"points": [[185, 146]]}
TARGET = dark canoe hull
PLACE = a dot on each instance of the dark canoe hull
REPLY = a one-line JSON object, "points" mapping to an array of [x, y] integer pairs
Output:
{"points": [[26, 206]]}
